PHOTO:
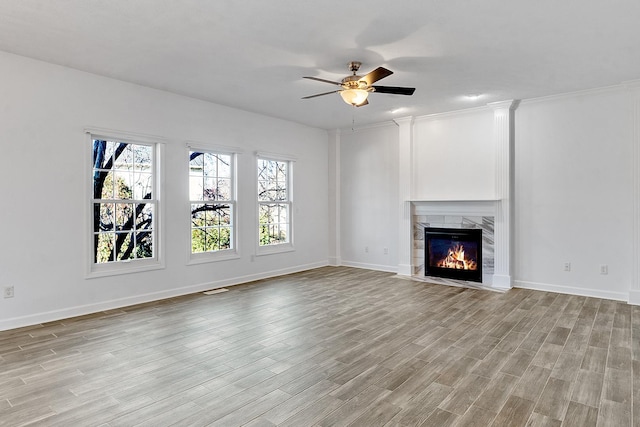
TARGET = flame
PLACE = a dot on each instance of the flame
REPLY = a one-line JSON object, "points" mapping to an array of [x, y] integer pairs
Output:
{"points": [[456, 259]]}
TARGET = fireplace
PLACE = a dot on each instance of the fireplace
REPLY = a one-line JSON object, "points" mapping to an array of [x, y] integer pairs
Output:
{"points": [[453, 253]]}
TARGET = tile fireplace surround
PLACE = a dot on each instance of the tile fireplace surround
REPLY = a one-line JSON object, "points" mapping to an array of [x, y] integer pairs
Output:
{"points": [[478, 214]]}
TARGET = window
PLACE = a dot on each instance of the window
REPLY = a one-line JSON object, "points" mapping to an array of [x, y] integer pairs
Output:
{"points": [[274, 202], [124, 203], [212, 201]]}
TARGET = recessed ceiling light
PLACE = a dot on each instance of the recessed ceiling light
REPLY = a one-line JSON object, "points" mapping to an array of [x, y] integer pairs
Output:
{"points": [[473, 96]]}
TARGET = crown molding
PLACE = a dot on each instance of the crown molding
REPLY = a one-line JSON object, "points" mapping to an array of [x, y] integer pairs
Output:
{"points": [[451, 114], [511, 104], [404, 120], [632, 84], [372, 126], [568, 95]]}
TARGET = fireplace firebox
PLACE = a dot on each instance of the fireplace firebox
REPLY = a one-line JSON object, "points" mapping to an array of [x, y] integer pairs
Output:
{"points": [[453, 253]]}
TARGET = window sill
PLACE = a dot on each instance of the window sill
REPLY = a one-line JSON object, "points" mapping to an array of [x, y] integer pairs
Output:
{"points": [[125, 267], [207, 257], [275, 249]]}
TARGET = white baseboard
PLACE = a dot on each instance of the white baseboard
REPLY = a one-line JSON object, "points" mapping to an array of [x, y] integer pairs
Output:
{"points": [[501, 282], [405, 270], [634, 297], [618, 296], [51, 316], [335, 262], [377, 267]]}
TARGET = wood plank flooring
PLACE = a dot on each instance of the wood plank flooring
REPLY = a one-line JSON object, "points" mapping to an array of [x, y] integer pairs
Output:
{"points": [[331, 347]]}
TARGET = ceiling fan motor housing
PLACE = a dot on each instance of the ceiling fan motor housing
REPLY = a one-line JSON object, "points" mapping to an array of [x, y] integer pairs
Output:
{"points": [[354, 82]]}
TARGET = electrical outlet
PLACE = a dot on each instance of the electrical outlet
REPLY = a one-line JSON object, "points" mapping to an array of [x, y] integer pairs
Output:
{"points": [[366, 249], [386, 251], [8, 291], [604, 269], [567, 266]]}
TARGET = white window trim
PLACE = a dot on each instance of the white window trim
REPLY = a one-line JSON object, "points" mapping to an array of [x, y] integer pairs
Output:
{"points": [[222, 149], [274, 156], [276, 248], [224, 254], [94, 270]]}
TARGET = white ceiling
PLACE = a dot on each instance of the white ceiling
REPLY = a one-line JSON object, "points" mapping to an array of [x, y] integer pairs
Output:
{"points": [[252, 54]]}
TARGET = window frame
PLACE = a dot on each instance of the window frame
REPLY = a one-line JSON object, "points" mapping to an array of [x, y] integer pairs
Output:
{"points": [[112, 268], [275, 248], [222, 254]]}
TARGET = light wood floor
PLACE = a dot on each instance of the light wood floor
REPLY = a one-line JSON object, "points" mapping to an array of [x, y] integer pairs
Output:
{"points": [[331, 347]]}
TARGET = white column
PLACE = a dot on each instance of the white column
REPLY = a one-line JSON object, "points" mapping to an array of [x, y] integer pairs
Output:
{"points": [[405, 167], [634, 289], [335, 258], [503, 138]]}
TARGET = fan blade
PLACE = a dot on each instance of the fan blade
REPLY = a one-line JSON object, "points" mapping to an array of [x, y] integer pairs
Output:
{"points": [[320, 94], [366, 101], [395, 90], [323, 80], [375, 75]]}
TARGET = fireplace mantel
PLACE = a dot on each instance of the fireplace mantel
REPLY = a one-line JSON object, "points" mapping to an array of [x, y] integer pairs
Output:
{"points": [[496, 203], [460, 207], [453, 200]]}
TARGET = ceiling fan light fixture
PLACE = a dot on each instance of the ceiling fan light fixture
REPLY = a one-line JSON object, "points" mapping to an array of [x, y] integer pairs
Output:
{"points": [[355, 89], [354, 97]]}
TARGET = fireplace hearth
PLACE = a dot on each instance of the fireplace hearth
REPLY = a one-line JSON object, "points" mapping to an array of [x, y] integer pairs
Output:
{"points": [[453, 253]]}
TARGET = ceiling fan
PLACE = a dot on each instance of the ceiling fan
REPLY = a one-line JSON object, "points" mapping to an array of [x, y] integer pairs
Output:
{"points": [[355, 89]]}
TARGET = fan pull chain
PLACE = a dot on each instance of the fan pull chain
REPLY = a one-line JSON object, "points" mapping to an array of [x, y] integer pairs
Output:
{"points": [[353, 119]]}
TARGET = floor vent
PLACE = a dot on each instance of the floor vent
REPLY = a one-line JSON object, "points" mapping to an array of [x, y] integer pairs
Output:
{"points": [[215, 291]]}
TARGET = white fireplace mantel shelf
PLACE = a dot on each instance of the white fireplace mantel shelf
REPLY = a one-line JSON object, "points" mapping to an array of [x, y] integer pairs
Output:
{"points": [[453, 200], [456, 207]]}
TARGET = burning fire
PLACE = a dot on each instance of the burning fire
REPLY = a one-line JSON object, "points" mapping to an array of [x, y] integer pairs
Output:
{"points": [[455, 259]]}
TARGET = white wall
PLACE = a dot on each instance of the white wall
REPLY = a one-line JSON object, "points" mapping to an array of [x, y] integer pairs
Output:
{"points": [[43, 111], [368, 197], [454, 156], [574, 193]]}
